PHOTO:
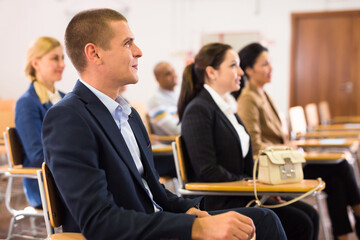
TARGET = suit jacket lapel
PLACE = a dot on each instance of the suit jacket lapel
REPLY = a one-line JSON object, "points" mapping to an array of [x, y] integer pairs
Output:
{"points": [[207, 95], [143, 146], [107, 123]]}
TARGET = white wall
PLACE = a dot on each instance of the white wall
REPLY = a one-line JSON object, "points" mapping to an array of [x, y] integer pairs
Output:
{"points": [[164, 30]]}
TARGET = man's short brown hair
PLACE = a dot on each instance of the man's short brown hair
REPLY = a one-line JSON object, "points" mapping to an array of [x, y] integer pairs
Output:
{"points": [[90, 26]]}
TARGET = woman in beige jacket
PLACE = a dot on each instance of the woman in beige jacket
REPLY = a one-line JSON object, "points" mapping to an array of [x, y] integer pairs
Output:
{"points": [[262, 121]]}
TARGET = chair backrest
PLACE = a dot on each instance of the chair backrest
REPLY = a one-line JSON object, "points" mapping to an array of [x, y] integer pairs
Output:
{"points": [[54, 204], [297, 119], [7, 104], [312, 115], [324, 112], [7, 113], [182, 164], [15, 150], [148, 124]]}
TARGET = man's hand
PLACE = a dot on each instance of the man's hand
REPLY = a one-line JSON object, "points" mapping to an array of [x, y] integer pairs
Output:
{"points": [[197, 212], [230, 225]]}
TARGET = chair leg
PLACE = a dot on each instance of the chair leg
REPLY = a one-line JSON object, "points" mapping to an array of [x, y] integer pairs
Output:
{"points": [[33, 226], [176, 186], [11, 227], [322, 216]]}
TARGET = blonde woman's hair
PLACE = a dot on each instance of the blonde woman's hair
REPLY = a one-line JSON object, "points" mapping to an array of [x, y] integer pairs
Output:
{"points": [[38, 49]]}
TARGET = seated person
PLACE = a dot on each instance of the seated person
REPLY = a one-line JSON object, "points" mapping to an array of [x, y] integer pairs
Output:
{"points": [[44, 67], [162, 110], [100, 154], [162, 106], [261, 118], [217, 143]]}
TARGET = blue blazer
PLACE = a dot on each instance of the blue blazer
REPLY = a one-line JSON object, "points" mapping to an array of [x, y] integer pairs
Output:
{"points": [[98, 181], [29, 115]]}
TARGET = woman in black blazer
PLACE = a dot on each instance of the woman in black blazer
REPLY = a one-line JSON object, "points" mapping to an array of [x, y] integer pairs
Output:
{"points": [[217, 143]]}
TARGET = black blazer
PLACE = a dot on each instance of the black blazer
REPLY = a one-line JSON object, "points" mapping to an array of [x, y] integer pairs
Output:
{"points": [[213, 146], [98, 181]]}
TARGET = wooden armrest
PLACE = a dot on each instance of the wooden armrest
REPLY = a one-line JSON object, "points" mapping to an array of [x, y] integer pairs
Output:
{"points": [[22, 170], [67, 236], [166, 138], [162, 148], [248, 186]]}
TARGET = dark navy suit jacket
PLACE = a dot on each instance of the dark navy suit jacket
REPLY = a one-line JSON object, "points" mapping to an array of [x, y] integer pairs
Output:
{"points": [[101, 188], [29, 115]]}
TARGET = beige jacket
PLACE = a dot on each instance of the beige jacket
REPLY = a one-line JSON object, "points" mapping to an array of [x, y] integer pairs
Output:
{"points": [[260, 117]]}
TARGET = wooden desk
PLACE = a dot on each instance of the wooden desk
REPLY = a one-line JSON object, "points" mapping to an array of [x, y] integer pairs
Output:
{"points": [[349, 143], [330, 134], [158, 138], [2, 141], [346, 119], [325, 157], [247, 186], [338, 127]]}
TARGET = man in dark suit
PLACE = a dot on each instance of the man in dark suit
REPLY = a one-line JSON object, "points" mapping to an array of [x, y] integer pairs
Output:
{"points": [[100, 155]]}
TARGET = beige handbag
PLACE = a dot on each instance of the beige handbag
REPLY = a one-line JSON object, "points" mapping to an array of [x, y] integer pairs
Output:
{"points": [[280, 165]]}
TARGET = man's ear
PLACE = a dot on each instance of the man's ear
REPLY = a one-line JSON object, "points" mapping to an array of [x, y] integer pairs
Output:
{"points": [[92, 53], [211, 73]]}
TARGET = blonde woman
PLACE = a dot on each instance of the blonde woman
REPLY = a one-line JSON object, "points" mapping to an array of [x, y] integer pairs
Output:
{"points": [[44, 67]]}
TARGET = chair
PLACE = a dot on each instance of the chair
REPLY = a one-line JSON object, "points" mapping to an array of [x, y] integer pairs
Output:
{"points": [[299, 126], [7, 118], [325, 116], [15, 154], [242, 188], [52, 206], [163, 139], [238, 188], [7, 113], [297, 120], [312, 115], [324, 112]]}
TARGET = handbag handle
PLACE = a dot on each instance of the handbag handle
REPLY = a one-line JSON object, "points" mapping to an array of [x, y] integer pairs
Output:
{"points": [[258, 202], [276, 148]]}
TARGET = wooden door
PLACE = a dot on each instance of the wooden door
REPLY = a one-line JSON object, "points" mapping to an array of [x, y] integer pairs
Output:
{"points": [[325, 60]]}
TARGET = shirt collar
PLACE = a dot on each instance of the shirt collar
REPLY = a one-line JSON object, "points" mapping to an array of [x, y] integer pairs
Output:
{"points": [[227, 106], [110, 103], [54, 97]]}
